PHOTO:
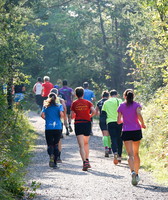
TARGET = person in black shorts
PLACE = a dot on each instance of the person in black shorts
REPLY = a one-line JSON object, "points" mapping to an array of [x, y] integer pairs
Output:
{"points": [[82, 111], [102, 123]]}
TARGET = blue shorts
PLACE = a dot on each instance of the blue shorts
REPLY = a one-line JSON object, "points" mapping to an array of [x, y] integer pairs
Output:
{"points": [[18, 97]]}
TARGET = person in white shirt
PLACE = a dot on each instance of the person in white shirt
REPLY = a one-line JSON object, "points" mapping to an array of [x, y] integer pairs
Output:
{"points": [[37, 88]]}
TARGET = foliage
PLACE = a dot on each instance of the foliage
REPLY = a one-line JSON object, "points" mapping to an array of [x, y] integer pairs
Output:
{"points": [[16, 138], [155, 142]]}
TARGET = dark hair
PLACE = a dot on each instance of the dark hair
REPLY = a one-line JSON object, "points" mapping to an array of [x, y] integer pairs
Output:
{"points": [[39, 79], [64, 82], [79, 91], [85, 84], [129, 94], [50, 100], [54, 90], [105, 94], [113, 92]]}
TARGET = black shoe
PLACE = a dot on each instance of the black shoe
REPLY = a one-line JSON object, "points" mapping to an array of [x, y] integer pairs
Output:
{"points": [[51, 162], [67, 132], [70, 129]]}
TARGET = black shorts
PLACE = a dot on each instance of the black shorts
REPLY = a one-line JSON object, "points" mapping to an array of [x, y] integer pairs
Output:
{"points": [[68, 110], [131, 135], [52, 137], [103, 126], [39, 100], [83, 128]]}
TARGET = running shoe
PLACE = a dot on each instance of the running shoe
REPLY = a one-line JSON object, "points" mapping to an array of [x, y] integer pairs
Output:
{"points": [[51, 162], [137, 178], [59, 160], [85, 166], [115, 160], [67, 132], [88, 163], [70, 128], [134, 179], [110, 151], [106, 153], [119, 159]]}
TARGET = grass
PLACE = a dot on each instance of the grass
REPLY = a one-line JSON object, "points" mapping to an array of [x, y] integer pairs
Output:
{"points": [[154, 148]]}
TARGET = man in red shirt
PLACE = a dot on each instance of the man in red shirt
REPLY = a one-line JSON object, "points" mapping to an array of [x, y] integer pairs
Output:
{"points": [[82, 111], [46, 87]]}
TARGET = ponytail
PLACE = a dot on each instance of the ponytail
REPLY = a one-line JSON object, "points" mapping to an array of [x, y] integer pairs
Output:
{"points": [[51, 100], [129, 96]]}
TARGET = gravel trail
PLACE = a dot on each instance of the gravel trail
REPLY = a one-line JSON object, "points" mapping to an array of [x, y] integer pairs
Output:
{"points": [[104, 181]]}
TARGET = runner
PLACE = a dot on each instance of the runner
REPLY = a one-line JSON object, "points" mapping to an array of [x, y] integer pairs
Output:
{"points": [[110, 109], [46, 87], [90, 96], [37, 89], [102, 123], [83, 111], [52, 114], [68, 94], [129, 113], [60, 100]]}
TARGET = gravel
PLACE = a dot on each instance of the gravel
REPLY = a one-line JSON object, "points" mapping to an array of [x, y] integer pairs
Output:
{"points": [[104, 181]]}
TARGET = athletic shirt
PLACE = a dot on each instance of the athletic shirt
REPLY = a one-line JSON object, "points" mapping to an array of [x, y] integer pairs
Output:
{"points": [[18, 88], [110, 107], [81, 107], [52, 117], [66, 93], [100, 105], [38, 87], [130, 117], [88, 94], [47, 86]]}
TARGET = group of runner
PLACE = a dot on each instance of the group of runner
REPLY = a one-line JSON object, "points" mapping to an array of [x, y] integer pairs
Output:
{"points": [[119, 122]]}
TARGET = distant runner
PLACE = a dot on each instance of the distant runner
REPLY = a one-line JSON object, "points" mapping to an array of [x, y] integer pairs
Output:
{"points": [[37, 89], [68, 95], [90, 96], [103, 124]]}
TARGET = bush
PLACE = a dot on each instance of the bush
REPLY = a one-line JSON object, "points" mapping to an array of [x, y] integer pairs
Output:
{"points": [[155, 143]]}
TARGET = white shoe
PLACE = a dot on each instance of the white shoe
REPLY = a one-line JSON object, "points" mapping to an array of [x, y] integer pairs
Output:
{"points": [[134, 179]]}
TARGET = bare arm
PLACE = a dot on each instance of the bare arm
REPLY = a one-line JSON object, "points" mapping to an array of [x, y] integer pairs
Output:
{"points": [[140, 118], [62, 114], [34, 88], [93, 111], [97, 111], [43, 115], [72, 114], [119, 118]]}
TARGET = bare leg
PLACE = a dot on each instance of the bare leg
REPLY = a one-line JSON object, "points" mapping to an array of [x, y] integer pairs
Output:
{"points": [[129, 149], [80, 139], [136, 156], [86, 146]]}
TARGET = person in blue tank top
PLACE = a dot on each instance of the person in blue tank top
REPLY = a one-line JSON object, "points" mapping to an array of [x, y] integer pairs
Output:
{"points": [[90, 96], [52, 114]]}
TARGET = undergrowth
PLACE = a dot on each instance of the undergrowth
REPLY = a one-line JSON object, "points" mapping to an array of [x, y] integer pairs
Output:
{"points": [[16, 139], [154, 148]]}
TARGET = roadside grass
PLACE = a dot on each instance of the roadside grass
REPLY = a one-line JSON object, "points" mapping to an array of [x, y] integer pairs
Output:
{"points": [[16, 140], [154, 147]]}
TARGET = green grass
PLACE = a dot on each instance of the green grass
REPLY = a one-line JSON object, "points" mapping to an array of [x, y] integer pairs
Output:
{"points": [[154, 148]]}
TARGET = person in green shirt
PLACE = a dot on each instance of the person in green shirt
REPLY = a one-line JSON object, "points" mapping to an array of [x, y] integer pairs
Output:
{"points": [[110, 110]]}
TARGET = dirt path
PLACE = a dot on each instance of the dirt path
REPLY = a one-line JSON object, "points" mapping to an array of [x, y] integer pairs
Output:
{"points": [[104, 181]]}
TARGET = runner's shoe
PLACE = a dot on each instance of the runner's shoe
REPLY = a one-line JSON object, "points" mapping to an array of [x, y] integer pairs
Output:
{"points": [[88, 163], [70, 128], [51, 162], [134, 179], [119, 159], [59, 160], [110, 151], [67, 132], [115, 160], [85, 166], [106, 153], [137, 178]]}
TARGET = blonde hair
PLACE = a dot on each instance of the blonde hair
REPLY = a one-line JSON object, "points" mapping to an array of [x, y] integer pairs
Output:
{"points": [[50, 100]]}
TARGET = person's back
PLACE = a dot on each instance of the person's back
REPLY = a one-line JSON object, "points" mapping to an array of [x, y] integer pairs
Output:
{"points": [[88, 94], [66, 92], [47, 86]]}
